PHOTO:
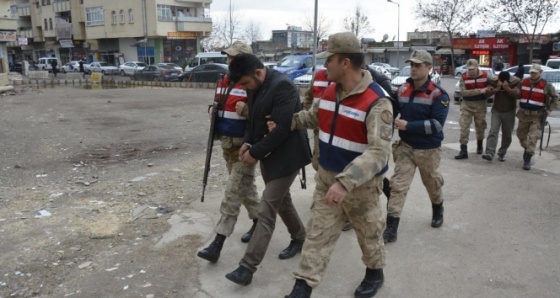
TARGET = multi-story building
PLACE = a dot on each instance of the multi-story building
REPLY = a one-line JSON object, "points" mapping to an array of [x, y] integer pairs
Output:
{"points": [[8, 26], [112, 31]]}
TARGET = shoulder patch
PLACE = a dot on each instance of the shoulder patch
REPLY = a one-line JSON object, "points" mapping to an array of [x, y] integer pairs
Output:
{"points": [[445, 103], [386, 133], [387, 117]]}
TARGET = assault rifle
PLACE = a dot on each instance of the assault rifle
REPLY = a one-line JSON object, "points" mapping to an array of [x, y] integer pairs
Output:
{"points": [[544, 123], [220, 97]]}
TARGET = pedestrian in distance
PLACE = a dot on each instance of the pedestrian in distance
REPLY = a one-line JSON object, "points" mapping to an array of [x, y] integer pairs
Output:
{"points": [[473, 86], [520, 73], [282, 153], [54, 65], [354, 117], [240, 187], [505, 89], [538, 99], [423, 109]]}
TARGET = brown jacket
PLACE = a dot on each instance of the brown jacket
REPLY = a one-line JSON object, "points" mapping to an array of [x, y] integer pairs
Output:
{"points": [[505, 100]]}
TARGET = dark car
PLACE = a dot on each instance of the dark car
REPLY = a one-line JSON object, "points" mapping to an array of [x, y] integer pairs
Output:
{"points": [[156, 73], [16, 67], [205, 73]]}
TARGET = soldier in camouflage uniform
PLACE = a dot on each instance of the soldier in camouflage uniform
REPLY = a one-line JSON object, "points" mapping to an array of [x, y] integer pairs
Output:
{"points": [[473, 88], [423, 109], [240, 187], [354, 144], [538, 99]]}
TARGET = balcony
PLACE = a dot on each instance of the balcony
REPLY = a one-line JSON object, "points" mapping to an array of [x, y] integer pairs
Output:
{"points": [[26, 33], [24, 11], [61, 6], [195, 24], [8, 24]]}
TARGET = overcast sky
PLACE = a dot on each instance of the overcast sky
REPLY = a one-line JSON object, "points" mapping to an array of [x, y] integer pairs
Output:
{"points": [[275, 14]]}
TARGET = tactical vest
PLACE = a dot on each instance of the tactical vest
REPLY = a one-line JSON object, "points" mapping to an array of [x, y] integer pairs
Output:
{"points": [[475, 83], [320, 84], [426, 97], [229, 123], [342, 129], [532, 97]]}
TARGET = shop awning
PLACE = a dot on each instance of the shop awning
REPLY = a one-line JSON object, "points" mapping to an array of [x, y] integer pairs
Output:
{"points": [[447, 51], [376, 50]]}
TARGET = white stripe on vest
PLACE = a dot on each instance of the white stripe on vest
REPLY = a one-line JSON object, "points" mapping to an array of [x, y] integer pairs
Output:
{"points": [[343, 110], [230, 115], [342, 143]]}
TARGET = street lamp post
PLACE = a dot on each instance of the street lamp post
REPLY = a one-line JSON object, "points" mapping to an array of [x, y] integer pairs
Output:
{"points": [[398, 31]]}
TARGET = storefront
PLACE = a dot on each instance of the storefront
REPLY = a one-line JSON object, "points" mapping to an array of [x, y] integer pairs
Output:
{"points": [[488, 51], [179, 47]]}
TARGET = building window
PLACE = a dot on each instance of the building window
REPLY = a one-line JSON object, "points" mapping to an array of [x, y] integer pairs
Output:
{"points": [[130, 16], [46, 25], [50, 24], [113, 17], [122, 16], [164, 13], [94, 16]]}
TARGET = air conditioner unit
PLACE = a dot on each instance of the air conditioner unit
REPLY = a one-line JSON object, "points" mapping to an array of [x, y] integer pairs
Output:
{"points": [[556, 46]]}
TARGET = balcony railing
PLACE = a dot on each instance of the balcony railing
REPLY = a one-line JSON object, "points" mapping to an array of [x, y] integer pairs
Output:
{"points": [[26, 33], [60, 6], [24, 11]]}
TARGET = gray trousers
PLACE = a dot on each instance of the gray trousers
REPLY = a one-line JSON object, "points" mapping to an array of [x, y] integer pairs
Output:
{"points": [[276, 199], [505, 120]]}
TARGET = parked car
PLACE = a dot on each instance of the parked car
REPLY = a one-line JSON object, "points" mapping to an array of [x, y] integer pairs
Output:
{"points": [[553, 63], [177, 67], [72, 66], [204, 73], [103, 67], [206, 58], [457, 97], [553, 77], [128, 68], [526, 67], [297, 64], [392, 70], [156, 73], [270, 64], [460, 70], [45, 63], [404, 74], [382, 70], [304, 80], [16, 67]]}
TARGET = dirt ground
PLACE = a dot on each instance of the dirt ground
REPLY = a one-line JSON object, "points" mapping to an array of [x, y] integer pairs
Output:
{"points": [[76, 164]]}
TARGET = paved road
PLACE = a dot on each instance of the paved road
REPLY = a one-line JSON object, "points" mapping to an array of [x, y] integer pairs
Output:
{"points": [[500, 237]]}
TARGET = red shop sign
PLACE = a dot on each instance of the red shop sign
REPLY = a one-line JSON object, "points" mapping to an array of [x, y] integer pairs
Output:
{"points": [[481, 43]]}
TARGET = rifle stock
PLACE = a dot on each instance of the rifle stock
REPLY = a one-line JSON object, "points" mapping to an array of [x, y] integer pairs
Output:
{"points": [[211, 136], [544, 123]]}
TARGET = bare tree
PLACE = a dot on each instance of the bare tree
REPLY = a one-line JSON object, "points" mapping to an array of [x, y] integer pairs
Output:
{"points": [[358, 23], [323, 25], [450, 16], [528, 17], [253, 33], [225, 30]]}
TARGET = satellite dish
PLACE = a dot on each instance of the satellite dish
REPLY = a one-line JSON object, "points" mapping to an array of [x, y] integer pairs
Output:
{"points": [[385, 37]]}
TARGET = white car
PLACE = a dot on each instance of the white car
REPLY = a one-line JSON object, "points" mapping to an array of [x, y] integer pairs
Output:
{"points": [[392, 70], [304, 80], [382, 70], [103, 67], [526, 68], [128, 68], [72, 66], [552, 76], [405, 74]]}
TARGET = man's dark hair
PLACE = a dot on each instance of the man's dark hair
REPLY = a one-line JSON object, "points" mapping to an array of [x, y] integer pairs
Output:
{"points": [[243, 65], [504, 76], [356, 59]]}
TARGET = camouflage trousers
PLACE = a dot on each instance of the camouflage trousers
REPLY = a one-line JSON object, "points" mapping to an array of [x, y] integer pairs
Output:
{"points": [[469, 110], [407, 160], [240, 189], [315, 157], [529, 129], [361, 207]]}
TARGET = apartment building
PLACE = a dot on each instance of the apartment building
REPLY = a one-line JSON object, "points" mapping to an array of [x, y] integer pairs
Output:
{"points": [[114, 31], [8, 26]]}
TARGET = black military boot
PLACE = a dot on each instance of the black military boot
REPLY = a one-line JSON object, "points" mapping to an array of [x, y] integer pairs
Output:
{"points": [[292, 249], [390, 233], [463, 154], [370, 284], [437, 215], [479, 147], [212, 252], [300, 290], [241, 276], [527, 161], [247, 236]]}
